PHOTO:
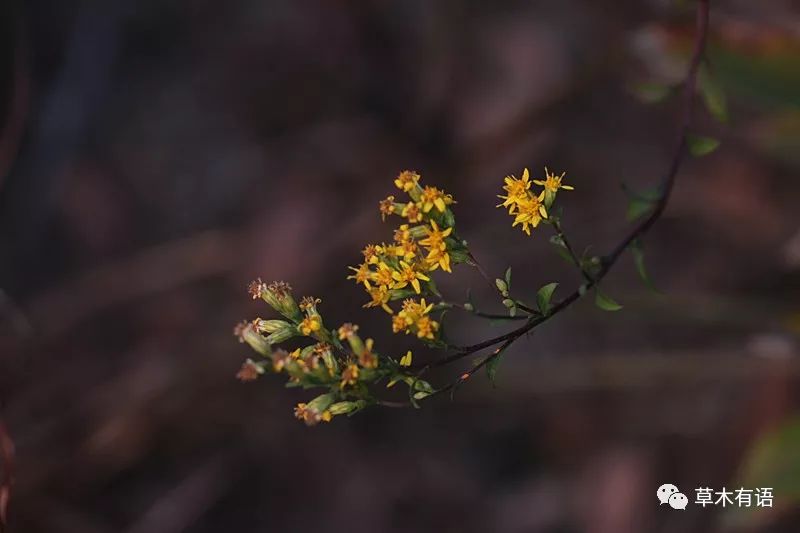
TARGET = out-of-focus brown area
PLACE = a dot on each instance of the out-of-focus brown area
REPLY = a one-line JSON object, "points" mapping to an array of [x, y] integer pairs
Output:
{"points": [[156, 156]]}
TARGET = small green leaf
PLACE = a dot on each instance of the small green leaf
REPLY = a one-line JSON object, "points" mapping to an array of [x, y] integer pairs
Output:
{"points": [[544, 296], [605, 302], [502, 286], [491, 368], [638, 259], [508, 277], [508, 302], [650, 92], [638, 207], [713, 96], [700, 146]]}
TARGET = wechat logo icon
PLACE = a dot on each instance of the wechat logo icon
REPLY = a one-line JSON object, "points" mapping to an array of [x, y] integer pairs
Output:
{"points": [[670, 495]]}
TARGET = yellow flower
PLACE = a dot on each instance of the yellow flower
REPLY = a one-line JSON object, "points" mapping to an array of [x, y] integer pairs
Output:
{"points": [[412, 212], [350, 375], [530, 212], [436, 258], [431, 196], [386, 250], [406, 180], [426, 327], [406, 359], [310, 325], [552, 183], [402, 234], [367, 359], [408, 274], [387, 207], [371, 254], [399, 323], [384, 276], [311, 416], [435, 238], [362, 274], [407, 250], [380, 297], [516, 189], [347, 330]]}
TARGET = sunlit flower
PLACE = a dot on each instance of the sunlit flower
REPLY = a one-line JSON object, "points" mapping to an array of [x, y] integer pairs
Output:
{"points": [[311, 416], [362, 274], [380, 298], [516, 191], [426, 327], [384, 276], [387, 207], [367, 358], [310, 325], [406, 359], [412, 212], [406, 180], [433, 197], [530, 212], [552, 183], [347, 330], [249, 371], [408, 274], [370, 254], [349, 375]]}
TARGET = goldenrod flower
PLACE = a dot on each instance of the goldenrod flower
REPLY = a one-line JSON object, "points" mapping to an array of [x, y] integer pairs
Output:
{"points": [[362, 274], [399, 323], [407, 250], [412, 212], [435, 236], [349, 375], [280, 358], [347, 330], [408, 274], [552, 183], [386, 250], [380, 297], [384, 276], [309, 303], [516, 189], [436, 258], [406, 180], [310, 415], [310, 325], [387, 207], [406, 359], [366, 358], [426, 327], [370, 254], [530, 212], [249, 371], [431, 196]]}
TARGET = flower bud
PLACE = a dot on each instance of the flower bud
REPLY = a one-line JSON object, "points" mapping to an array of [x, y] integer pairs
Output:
{"points": [[247, 333], [270, 326], [342, 408], [279, 296]]}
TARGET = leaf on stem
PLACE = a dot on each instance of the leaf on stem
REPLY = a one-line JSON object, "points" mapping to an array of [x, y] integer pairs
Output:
{"points": [[543, 297], [605, 302], [700, 146]]}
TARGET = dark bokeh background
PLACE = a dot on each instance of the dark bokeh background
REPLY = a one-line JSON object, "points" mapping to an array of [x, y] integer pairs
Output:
{"points": [[156, 156]]}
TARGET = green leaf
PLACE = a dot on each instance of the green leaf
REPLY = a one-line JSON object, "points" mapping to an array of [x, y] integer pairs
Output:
{"points": [[605, 302], [638, 259], [508, 277], [638, 207], [650, 92], [561, 249], [502, 286], [543, 297], [508, 302], [713, 96], [491, 368], [700, 146]]}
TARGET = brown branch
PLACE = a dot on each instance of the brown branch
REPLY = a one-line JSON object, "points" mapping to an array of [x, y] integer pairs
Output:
{"points": [[608, 261]]}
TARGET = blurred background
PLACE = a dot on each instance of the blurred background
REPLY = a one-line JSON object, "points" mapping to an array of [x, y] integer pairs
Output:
{"points": [[157, 156]]}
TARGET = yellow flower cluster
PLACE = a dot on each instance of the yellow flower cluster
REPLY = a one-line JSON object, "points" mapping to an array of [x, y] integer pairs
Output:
{"points": [[423, 243], [527, 207], [414, 318]]}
